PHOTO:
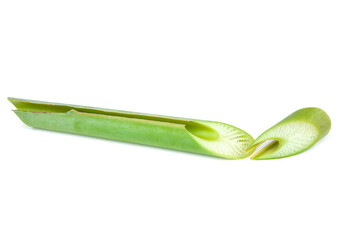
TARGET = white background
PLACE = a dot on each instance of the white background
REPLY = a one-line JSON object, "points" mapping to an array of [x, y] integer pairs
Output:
{"points": [[246, 63]]}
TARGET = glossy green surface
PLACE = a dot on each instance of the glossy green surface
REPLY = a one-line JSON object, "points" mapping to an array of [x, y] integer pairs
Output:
{"points": [[204, 137]]}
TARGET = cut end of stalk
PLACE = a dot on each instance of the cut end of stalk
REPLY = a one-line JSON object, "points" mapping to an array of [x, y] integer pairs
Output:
{"points": [[294, 134], [284, 140], [220, 139]]}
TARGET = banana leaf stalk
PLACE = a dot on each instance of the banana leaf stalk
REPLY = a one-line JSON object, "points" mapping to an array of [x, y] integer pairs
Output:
{"points": [[190, 135]]}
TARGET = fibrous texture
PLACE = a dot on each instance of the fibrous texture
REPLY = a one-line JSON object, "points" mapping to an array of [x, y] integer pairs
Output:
{"points": [[231, 141], [294, 134]]}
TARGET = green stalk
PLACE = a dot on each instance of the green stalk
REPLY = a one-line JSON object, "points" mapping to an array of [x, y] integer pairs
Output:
{"points": [[294, 134], [197, 136]]}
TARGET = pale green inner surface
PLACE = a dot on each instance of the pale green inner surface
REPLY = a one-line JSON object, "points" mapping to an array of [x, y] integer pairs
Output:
{"points": [[293, 138], [231, 141]]}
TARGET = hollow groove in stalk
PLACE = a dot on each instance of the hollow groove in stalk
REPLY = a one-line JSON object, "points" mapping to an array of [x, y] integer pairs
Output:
{"points": [[265, 148], [202, 131], [37, 106]]}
